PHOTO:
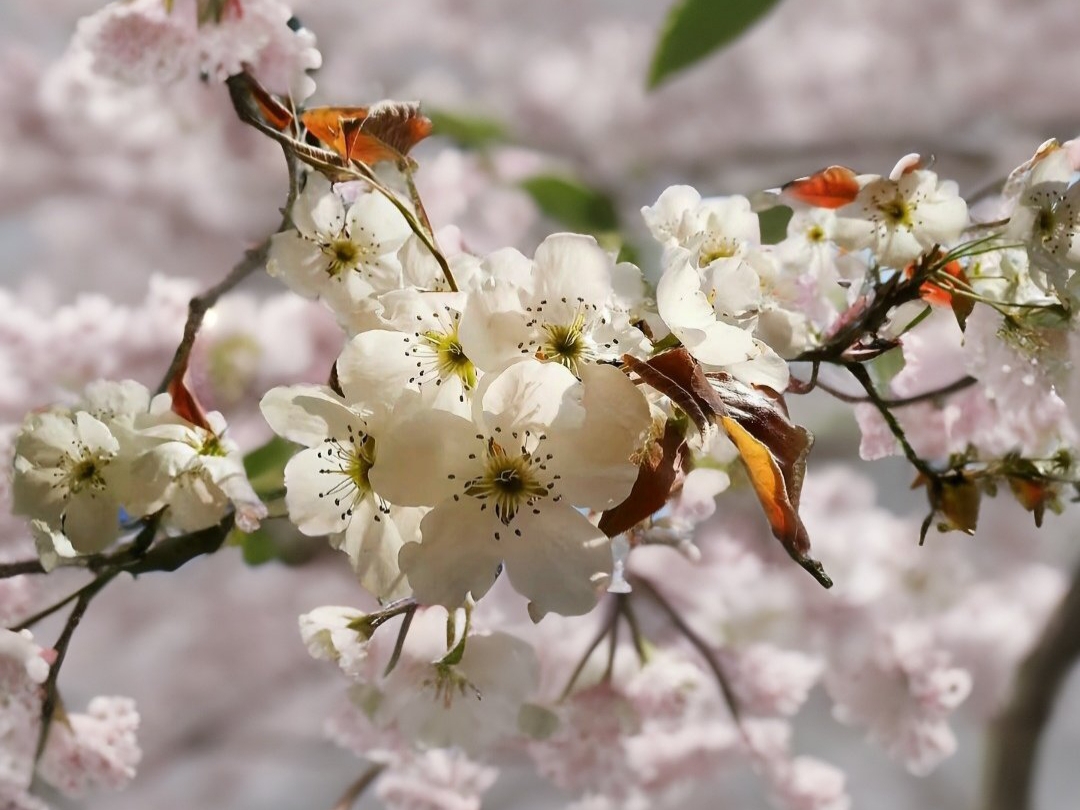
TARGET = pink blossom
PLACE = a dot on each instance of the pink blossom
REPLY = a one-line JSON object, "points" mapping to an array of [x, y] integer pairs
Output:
{"points": [[97, 749]]}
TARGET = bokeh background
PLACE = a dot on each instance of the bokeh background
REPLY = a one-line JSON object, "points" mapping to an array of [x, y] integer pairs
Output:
{"points": [[99, 192]]}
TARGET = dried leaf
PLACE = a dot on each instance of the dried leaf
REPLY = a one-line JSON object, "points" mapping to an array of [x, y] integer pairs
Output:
{"points": [[774, 452], [656, 476]]}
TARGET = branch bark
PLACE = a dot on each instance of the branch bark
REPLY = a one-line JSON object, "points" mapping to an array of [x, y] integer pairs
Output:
{"points": [[1012, 751]]}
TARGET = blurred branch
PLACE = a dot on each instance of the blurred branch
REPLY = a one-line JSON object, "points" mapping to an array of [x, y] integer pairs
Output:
{"points": [[354, 791], [1014, 736], [900, 402], [48, 705]]}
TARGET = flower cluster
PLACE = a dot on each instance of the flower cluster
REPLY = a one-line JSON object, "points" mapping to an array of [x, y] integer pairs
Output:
{"points": [[80, 470], [506, 440]]}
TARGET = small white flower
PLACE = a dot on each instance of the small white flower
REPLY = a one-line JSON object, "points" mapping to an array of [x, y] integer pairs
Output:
{"points": [[193, 472], [900, 219], [328, 485], [343, 256]]}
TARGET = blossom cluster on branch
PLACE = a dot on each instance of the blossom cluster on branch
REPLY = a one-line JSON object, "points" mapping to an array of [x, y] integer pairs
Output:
{"points": [[499, 442]]}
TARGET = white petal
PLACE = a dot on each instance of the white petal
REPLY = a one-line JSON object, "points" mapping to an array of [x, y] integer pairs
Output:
{"points": [[559, 562], [306, 414], [458, 555], [424, 458], [531, 395]]}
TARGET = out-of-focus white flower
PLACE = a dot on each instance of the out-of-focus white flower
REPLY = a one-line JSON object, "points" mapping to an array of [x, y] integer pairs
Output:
{"points": [[97, 749], [902, 693], [506, 485], [900, 219], [328, 636], [438, 779]]}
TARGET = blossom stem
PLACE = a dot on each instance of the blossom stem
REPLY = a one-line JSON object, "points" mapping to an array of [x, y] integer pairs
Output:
{"points": [[357, 788], [403, 633], [696, 641], [1013, 741], [48, 705]]}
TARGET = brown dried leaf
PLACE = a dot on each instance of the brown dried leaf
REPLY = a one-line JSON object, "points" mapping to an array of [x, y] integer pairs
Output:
{"points": [[657, 474]]}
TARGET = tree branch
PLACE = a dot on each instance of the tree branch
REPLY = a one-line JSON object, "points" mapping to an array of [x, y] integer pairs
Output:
{"points": [[1013, 741], [901, 402]]}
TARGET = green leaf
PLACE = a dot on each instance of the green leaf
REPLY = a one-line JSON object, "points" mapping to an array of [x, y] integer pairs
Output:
{"points": [[774, 224], [258, 548], [265, 466], [572, 203], [696, 28], [467, 131]]}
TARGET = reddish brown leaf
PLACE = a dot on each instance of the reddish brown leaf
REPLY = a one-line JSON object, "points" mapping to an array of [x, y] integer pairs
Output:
{"points": [[670, 373], [656, 476], [184, 403]]}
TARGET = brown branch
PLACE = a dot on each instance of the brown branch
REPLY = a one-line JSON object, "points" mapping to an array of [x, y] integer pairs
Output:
{"points": [[1013, 742], [15, 569], [254, 259], [605, 629], [354, 791]]}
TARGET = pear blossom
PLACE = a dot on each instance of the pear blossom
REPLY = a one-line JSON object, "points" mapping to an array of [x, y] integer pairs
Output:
{"points": [[1046, 217], [504, 487], [900, 218], [195, 473], [715, 228], [342, 255], [329, 489], [436, 779], [574, 308], [65, 476]]}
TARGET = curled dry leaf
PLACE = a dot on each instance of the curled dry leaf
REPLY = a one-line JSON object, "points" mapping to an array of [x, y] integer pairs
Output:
{"points": [[657, 474], [772, 448]]}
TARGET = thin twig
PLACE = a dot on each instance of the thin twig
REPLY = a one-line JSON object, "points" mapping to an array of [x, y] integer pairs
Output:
{"points": [[254, 259], [399, 644], [51, 609], [863, 376], [1013, 742], [605, 629], [48, 705], [699, 644], [901, 402], [354, 791]]}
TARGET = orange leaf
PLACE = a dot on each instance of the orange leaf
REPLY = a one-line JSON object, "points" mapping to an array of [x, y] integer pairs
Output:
{"points": [[833, 187], [386, 131]]}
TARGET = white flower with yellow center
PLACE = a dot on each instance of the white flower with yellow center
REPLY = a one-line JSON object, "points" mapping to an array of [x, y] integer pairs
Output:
{"points": [[1047, 216], [340, 255], [328, 485], [194, 473], [66, 466], [507, 485], [420, 351], [574, 309], [901, 217], [711, 229]]}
